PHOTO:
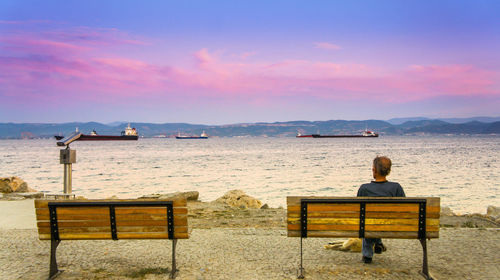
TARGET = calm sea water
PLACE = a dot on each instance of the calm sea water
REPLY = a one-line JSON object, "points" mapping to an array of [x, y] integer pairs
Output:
{"points": [[463, 171]]}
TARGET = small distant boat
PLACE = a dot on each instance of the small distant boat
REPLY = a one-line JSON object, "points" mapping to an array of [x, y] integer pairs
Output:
{"points": [[202, 136], [128, 134], [366, 133]]}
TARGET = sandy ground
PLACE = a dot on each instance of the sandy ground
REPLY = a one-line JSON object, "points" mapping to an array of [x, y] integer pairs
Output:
{"points": [[242, 244]]}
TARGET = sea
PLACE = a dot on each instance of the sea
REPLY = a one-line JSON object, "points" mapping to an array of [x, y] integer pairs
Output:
{"points": [[463, 170]]}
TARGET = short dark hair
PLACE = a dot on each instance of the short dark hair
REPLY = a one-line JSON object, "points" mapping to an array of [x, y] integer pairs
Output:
{"points": [[382, 165]]}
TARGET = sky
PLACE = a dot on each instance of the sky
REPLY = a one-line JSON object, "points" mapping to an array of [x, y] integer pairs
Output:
{"points": [[224, 62]]}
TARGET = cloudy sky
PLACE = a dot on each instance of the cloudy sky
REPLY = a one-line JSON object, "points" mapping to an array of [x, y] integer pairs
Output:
{"points": [[220, 62]]}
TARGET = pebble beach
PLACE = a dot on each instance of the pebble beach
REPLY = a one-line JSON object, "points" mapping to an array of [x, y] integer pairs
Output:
{"points": [[227, 243]]}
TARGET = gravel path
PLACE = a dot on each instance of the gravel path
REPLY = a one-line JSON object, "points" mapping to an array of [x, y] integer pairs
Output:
{"points": [[223, 253]]}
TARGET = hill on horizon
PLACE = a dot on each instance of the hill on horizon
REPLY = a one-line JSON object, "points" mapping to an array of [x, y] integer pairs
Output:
{"points": [[410, 126]]}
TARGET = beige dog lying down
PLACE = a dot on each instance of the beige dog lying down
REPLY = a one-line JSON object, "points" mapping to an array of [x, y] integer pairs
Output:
{"points": [[351, 245]]}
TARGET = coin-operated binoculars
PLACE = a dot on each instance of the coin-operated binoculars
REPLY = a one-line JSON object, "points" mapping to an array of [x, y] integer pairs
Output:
{"points": [[68, 157]]}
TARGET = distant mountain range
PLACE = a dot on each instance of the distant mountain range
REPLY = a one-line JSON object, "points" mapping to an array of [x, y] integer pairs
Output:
{"points": [[449, 120], [407, 126]]}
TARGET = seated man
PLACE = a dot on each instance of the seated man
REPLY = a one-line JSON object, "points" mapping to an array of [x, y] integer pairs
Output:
{"points": [[379, 187]]}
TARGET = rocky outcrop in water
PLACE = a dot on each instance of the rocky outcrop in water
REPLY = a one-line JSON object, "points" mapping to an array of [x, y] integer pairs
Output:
{"points": [[239, 199]]}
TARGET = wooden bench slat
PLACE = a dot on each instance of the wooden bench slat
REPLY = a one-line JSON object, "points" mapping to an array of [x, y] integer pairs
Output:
{"points": [[43, 203], [402, 215], [295, 200], [404, 209], [410, 208], [90, 223], [177, 229], [339, 234], [147, 217], [105, 210], [353, 221], [178, 221], [75, 210], [340, 214], [337, 221], [72, 223], [400, 235], [135, 217], [46, 217], [119, 229], [75, 236], [148, 210], [407, 208], [88, 236], [346, 227], [326, 207], [330, 234], [398, 228], [151, 235], [341, 227]]}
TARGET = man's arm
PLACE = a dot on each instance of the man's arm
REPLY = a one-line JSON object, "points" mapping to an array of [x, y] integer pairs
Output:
{"points": [[400, 192], [360, 191]]}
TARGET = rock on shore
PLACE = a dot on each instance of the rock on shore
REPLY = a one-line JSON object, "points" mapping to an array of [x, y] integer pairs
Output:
{"points": [[239, 199], [493, 212], [15, 188], [14, 184]]}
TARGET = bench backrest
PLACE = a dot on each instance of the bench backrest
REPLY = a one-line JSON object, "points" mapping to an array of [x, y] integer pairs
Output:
{"points": [[370, 217], [112, 219]]}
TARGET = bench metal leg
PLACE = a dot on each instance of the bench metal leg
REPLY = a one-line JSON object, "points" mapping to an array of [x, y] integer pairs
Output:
{"points": [[173, 274], [301, 268], [425, 267], [53, 261]]}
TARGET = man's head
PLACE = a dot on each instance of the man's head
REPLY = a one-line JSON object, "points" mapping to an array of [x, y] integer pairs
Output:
{"points": [[381, 166]]}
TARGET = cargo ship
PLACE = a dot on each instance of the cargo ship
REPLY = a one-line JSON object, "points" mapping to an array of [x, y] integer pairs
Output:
{"points": [[202, 136], [366, 133], [128, 134]]}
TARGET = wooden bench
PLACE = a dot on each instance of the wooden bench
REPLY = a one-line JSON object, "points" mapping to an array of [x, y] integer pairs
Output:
{"points": [[370, 217], [110, 219]]}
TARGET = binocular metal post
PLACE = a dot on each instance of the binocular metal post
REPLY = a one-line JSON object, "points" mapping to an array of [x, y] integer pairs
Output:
{"points": [[67, 157]]}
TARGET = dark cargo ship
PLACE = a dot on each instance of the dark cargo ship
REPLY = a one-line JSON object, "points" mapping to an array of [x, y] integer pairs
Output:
{"points": [[128, 134], [365, 133]]}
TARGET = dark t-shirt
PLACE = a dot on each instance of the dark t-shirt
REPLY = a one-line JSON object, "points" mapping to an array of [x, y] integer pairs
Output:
{"points": [[381, 189]]}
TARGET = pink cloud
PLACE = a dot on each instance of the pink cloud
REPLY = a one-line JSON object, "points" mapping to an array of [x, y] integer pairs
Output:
{"points": [[326, 46], [82, 63]]}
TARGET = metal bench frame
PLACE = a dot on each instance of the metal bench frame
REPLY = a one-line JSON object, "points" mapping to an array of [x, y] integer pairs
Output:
{"points": [[362, 207], [54, 229]]}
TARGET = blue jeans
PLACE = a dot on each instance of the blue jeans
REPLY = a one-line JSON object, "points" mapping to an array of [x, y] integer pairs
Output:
{"points": [[368, 244]]}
